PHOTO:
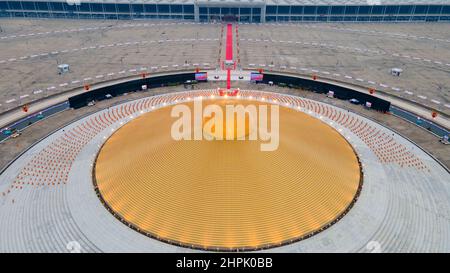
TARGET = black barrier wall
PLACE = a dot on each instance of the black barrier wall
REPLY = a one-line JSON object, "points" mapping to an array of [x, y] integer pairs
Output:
{"points": [[83, 99], [290, 81], [321, 87]]}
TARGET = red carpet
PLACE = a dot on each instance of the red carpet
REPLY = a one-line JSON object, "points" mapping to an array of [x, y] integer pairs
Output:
{"points": [[229, 52]]}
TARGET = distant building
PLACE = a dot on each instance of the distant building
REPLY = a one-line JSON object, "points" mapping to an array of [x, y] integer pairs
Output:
{"points": [[251, 11]]}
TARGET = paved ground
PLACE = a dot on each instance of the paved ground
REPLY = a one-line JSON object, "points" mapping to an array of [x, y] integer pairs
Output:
{"points": [[112, 50], [357, 56], [100, 50], [403, 207]]}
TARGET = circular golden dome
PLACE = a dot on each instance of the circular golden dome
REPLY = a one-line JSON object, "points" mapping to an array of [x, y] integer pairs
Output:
{"points": [[227, 194]]}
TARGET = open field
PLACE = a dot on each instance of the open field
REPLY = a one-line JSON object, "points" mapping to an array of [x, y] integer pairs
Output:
{"points": [[100, 50]]}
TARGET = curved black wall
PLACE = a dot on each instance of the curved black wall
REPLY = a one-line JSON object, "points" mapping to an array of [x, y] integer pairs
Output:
{"points": [[130, 86], [321, 87], [292, 81]]}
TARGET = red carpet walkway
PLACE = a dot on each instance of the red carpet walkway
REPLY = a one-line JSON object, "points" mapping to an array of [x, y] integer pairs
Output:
{"points": [[229, 43]]}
